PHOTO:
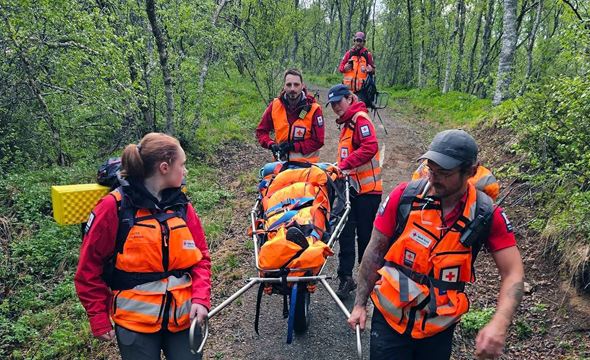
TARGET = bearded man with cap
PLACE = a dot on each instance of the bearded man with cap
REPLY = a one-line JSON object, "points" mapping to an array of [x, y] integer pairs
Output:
{"points": [[357, 64], [358, 156], [426, 236]]}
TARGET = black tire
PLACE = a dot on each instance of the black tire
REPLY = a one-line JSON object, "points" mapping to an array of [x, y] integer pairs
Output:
{"points": [[302, 316]]}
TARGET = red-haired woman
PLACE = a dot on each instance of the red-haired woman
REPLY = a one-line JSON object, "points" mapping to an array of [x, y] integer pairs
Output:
{"points": [[144, 261]]}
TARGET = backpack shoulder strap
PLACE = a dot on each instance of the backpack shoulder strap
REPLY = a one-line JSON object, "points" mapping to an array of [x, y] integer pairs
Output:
{"points": [[126, 213], [413, 189], [484, 209]]}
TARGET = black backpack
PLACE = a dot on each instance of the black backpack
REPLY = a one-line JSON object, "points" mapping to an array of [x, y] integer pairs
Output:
{"points": [[108, 173]]}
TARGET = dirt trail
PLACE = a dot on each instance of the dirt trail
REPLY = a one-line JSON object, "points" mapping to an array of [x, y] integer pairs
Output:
{"points": [[546, 327], [232, 333]]}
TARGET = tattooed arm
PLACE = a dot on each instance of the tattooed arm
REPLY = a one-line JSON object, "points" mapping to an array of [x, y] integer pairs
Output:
{"points": [[490, 340], [368, 276]]}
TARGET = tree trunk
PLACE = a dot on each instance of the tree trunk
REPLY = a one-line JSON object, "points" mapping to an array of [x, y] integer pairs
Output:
{"points": [[459, 71], [163, 54], [421, 60], [410, 42], [484, 64], [447, 83], [295, 37], [474, 48], [507, 53], [531, 45]]}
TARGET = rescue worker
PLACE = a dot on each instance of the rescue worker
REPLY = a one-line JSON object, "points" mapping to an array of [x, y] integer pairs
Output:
{"points": [[144, 261], [356, 65], [483, 179], [426, 236], [358, 156], [296, 120]]}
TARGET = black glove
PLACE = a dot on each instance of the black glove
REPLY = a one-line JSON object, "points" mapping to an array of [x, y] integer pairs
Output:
{"points": [[275, 148], [286, 147]]}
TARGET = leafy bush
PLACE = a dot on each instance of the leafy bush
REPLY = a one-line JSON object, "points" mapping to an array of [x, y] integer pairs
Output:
{"points": [[475, 320]]}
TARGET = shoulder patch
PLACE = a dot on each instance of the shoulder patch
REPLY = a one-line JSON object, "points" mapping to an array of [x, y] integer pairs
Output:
{"points": [[365, 131], [509, 227], [89, 222], [320, 121], [383, 205], [343, 153]]}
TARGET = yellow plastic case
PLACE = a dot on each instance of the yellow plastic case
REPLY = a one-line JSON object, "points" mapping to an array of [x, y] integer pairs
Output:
{"points": [[72, 203]]}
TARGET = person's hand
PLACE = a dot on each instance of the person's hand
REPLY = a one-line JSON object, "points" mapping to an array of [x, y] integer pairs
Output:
{"points": [[108, 336], [345, 172], [286, 147], [489, 342], [348, 66], [357, 316], [200, 312], [370, 69]]}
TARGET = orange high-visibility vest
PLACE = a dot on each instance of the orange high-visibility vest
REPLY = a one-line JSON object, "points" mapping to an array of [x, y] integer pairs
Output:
{"points": [[356, 77], [421, 290], [483, 179], [299, 130], [367, 177], [159, 250]]}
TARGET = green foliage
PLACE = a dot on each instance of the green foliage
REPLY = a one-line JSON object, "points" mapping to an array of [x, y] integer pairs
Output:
{"points": [[451, 109], [523, 329], [475, 320]]}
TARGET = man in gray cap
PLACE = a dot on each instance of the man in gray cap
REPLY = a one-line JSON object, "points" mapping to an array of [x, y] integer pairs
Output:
{"points": [[425, 239]]}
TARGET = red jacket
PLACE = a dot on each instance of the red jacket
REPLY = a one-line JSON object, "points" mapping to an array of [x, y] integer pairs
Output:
{"points": [[348, 54], [364, 146], [98, 246], [315, 142]]}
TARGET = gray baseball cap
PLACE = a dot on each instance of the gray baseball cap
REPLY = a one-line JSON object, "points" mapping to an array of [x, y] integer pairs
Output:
{"points": [[452, 148]]}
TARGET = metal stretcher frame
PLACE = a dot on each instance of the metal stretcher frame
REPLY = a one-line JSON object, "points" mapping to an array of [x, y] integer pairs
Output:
{"points": [[290, 279]]}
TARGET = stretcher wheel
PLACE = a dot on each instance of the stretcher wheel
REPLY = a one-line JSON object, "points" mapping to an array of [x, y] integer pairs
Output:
{"points": [[302, 316]]}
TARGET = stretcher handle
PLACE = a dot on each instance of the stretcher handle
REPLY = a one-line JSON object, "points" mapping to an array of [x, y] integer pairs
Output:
{"points": [[359, 348], [191, 338]]}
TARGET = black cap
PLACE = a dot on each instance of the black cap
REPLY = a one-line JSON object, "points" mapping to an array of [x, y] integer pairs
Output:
{"points": [[337, 92], [452, 148]]}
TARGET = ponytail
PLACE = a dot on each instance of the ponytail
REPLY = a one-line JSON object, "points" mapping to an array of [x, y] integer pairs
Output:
{"points": [[141, 160]]}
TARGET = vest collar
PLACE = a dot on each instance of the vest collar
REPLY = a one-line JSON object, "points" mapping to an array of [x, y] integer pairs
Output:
{"points": [[141, 198]]}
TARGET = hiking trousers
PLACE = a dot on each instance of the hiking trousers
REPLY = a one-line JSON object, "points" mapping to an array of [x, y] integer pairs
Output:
{"points": [[388, 344], [140, 346], [359, 225]]}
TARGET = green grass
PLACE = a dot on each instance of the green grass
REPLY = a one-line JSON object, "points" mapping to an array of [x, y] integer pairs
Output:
{"points": [[450, 109]]}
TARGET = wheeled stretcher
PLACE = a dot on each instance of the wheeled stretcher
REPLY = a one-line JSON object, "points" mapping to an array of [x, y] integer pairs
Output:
{"points": [[300, 211]]}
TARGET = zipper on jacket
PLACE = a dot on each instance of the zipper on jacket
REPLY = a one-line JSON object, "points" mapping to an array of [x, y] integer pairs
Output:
{"points": [[165, 248]]}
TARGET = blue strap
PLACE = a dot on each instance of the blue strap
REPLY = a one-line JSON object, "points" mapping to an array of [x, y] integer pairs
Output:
{"points": [[295, 202], [291, 321], [283, 219]]}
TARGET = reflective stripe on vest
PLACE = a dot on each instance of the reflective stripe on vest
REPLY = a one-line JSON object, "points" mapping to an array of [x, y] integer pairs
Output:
{"points": [[440, 263], [367, 177], [299, 130], [356, 77]]}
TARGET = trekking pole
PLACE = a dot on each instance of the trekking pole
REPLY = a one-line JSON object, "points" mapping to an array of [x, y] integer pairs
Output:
{"points": [[381, 120]]}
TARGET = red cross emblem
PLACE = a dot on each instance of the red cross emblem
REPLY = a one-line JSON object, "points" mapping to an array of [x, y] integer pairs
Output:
{"points": [[299, 132], [450, 274]]}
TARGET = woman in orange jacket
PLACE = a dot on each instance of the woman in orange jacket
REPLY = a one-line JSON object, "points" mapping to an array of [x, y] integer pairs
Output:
{"points": [[144, 262]]}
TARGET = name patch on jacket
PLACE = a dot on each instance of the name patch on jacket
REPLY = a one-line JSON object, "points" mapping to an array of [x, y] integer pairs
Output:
{"points": [[365, 131], [299, 133], [89, 222], [509, 227], [420, 238], [188, 244]]}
